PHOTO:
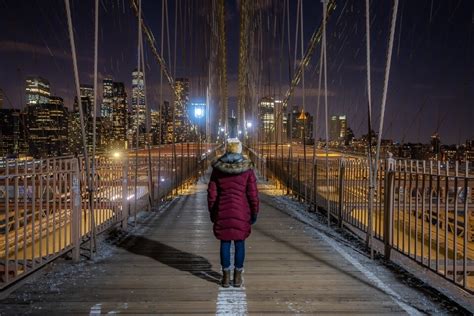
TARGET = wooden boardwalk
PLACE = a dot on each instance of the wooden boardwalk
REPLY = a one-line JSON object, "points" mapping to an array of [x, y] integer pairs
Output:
{"points": [[170, 265]]}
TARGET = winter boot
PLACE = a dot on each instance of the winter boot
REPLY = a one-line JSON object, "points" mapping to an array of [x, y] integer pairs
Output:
{"points": [[237, 277], [225, 278]]}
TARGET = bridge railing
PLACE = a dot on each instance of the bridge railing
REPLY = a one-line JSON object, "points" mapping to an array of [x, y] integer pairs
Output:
{"points": [[423, 210], [45, 205]]}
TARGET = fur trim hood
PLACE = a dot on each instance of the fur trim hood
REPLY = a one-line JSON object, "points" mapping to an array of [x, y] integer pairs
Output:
{"points": [[234, 167]]}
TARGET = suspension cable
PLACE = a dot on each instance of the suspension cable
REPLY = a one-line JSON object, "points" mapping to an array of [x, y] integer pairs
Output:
{"points": [[325, 4], [385, 87], [318, 100], [369, 83], [160, 124], [151, 41], [81, 114], [298, 12], [147, 123], [94, 114], [304, 103], [315, 38], [177, 97], [370, 235], [137, 108]]}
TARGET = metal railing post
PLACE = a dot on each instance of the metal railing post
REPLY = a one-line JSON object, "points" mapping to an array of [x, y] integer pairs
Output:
{"points": [[289, 177], [388, 207], [125, 208], [315, 183], [151, 188], [76, 213], [298, 191], [342, 169]]}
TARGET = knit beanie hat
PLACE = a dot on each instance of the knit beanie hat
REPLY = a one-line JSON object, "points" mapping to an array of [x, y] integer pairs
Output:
{"points": [[234, 146]]}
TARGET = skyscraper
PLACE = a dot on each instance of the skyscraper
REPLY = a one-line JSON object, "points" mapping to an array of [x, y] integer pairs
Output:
{"points": [[337, 128], [75, 131], [119, 116], [113, 124], [166, 123], [181, 119], [9, 132], [300, 126], [138, 101], [37, 90], [88, 91], [106, 108], [266, 117], [47, 126], [155, 117], [435, 144]]}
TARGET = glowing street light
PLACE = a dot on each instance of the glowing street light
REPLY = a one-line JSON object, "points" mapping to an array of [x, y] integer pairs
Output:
{"points": [[198, 112], [116, 154], [249, 124]]}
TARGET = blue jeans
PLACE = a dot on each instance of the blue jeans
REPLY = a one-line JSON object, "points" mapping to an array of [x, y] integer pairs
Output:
{"points": [[239, 254]]}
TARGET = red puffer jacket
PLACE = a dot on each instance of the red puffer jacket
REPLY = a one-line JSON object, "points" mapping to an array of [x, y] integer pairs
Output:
{"points": [[232, 197]]}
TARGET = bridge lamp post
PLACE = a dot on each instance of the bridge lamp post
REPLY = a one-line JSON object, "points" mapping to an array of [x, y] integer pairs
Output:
{"points": [[199, 113], [248, 127]]}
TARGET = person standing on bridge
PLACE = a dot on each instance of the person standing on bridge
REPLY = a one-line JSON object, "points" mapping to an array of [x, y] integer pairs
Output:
{"points": [[233, 203]]}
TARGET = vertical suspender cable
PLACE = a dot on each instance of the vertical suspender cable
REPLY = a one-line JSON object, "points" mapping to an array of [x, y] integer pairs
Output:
{"points": [[370, 235], [81, 114], [172, 178], [304, 104], [147, 119], [94, 113], [175, 155], [385, 86], [387, 76], [317, 113], [161, 100], [297, 30], [137, 116], [289, 79], [325, 4]]}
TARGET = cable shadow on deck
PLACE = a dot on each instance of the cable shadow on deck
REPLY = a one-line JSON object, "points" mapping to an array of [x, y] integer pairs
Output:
{"points": [[172, 257]]}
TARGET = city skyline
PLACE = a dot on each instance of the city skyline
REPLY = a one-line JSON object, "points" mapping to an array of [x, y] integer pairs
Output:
{"points": [[431, 87]]}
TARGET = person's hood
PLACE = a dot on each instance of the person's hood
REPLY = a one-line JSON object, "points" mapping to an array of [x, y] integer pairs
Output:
{"points": [[233, 163]]}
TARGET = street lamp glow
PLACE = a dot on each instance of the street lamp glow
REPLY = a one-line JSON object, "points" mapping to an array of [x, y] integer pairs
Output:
{"points": [[249, 124], [198, 112], [222, 129], [116, 154], [240, 132]]}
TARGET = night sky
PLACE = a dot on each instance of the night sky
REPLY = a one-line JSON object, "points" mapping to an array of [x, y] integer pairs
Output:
{"points": [[432, 78]]}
